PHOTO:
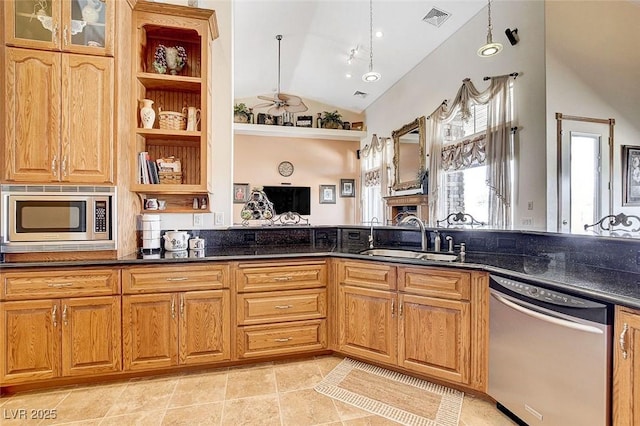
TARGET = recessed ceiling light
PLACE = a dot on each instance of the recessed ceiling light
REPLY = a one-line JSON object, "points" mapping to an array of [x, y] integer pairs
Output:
{"points": [[379, 34], [348, 75]]}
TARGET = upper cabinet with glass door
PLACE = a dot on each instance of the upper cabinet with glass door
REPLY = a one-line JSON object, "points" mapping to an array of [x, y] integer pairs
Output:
{"points": [[79, 26]]}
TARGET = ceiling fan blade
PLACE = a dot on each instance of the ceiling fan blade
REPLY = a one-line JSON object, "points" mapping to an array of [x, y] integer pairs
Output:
{"points": [[267, 98], [290, 99], [296, 108], [277, 110], [263, 105]]}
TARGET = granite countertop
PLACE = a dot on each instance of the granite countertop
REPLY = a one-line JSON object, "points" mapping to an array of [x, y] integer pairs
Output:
{"points": [[551, 270]]}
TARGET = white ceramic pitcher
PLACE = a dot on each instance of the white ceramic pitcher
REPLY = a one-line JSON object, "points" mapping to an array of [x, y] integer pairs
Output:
{"points": [[193, 117]]}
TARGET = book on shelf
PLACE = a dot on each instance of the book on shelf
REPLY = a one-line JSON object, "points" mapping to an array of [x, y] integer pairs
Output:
{"points": [[148, 170]]}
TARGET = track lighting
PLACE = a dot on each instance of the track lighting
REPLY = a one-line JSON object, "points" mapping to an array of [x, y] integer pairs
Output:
{"points": [[512, 35]]}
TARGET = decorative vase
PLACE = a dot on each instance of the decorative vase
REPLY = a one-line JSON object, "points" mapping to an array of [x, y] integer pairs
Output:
{"points": [[193, 117], [169, 58], [174, 62], [147, 114], [91, 12]]}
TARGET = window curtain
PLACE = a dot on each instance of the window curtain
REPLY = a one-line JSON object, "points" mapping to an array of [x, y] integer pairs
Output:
{"points": [[498, 149], [372, 180]]}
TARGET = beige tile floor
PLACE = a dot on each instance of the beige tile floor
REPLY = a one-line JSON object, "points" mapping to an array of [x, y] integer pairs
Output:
{"points": [[279, 393]]}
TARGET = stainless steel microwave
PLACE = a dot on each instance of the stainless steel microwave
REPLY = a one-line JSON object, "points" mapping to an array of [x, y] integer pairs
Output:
{"points": [[57, 218]]}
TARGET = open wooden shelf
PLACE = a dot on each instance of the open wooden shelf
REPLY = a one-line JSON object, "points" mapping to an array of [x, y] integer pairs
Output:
{"points": [[168, 82], [297, 132]]}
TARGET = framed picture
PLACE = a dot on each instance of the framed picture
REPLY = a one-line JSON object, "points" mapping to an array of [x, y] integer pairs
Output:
{"points": [[240, 193], [347, 187], [327, 194], [631, 175], [304, 121], [357, 125]]}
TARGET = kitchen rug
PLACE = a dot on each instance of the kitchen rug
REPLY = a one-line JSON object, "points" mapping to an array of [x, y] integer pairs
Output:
{"points": [[395, 396]]}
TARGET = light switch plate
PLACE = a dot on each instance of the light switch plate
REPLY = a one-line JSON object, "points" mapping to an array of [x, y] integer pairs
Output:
{"points": [[197, 219], [218, 218]]}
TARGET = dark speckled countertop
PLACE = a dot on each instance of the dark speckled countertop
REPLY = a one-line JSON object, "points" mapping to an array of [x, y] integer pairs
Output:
{"points": [[552, 270]]}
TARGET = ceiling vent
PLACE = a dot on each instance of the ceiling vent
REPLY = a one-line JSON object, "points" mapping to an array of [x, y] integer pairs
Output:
{"points": [[361, 94], [436, 17]]}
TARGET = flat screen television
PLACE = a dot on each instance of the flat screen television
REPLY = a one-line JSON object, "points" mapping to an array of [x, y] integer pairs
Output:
{"points": [[289, 198]]}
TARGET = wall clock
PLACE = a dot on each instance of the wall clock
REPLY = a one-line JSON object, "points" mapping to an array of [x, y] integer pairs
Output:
{"points": [[285, 168]]}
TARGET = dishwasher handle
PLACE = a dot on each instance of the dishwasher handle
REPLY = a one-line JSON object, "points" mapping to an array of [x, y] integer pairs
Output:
{"points": [[545, 317]]}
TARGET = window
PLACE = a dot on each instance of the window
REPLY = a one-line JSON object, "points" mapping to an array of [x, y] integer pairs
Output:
{"points": [[465, 189], [373, 176]]}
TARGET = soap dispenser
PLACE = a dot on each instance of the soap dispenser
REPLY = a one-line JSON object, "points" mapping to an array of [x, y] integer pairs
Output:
{"points": [[437, 241]]}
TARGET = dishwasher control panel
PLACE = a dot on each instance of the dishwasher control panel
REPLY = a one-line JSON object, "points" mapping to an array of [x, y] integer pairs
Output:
{"points": [[545, 295]]}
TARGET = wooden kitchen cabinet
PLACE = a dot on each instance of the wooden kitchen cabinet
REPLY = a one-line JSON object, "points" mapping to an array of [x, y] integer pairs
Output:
{"points": [[173, 316], [281, 307], [418, 318], [193, 29], [63, 25], [626, 367], [59, 117], [61, 335]]}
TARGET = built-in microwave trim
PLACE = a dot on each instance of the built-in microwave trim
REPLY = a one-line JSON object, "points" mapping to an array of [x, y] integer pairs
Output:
{"points": [[59, 241]]}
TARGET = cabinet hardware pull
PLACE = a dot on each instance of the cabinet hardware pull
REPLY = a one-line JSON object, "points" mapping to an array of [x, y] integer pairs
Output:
{"points": [[393, 308], [182, 305], [283, 340], [64, 315], [54, 315], [178, 279], [400, 309], [64, 35], [64, 166], [173, 307], [283, 278], [623, 340], [283, 306], [54, 33], [60, 285], [54, 169]]}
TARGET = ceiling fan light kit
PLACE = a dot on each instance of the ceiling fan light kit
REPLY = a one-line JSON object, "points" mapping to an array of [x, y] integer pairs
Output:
{"points": [[490, 48], [371, 76], [281, 102]]}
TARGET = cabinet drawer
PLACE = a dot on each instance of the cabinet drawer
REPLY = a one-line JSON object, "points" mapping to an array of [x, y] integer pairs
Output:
{"points": [[58, 283], [367, 274], [294, 305], [281, 276], [264, 340], [152, 279], [435, 282]]}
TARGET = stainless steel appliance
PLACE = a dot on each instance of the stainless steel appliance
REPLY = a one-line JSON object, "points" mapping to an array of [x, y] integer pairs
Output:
{"points": [[57, 218], [549, 354]]}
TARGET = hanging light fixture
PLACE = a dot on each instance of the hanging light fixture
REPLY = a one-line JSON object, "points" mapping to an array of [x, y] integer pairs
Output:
{"points": [[490, 48], [371, 76]]}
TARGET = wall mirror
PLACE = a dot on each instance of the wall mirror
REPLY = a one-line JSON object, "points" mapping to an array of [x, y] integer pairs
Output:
{"points": [[409, 154]]}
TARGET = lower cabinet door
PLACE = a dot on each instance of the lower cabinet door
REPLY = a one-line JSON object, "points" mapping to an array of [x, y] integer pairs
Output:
{"points": [[30, 340], [435, 337], [205, 326], [368, 323], [150, 331], [626, 367], [91, 338]]}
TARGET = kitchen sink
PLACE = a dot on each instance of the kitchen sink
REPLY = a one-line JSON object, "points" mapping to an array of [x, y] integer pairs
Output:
{"points": [[410, 254]]}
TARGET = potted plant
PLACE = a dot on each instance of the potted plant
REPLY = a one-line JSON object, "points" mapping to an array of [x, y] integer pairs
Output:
{"points": [[240, 113], [332, 120]]}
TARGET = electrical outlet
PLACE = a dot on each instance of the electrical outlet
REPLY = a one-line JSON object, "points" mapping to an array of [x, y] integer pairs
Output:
{"points": [[218, 218], [530, 205], [198, 219], [526, 221]]}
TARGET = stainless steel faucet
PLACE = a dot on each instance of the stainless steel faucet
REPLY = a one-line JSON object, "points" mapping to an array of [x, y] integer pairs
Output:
{"points": [[423, 234], [371, 231], [449, 239]]}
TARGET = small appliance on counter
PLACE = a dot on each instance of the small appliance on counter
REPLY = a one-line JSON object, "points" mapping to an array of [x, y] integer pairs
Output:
{"points": [[150, 231]]}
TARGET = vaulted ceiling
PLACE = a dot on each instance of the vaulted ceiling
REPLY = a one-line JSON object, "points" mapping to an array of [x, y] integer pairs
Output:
{"points": [[318, 36]]}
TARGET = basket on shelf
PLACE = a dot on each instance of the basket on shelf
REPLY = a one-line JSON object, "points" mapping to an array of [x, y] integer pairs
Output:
{"points": [[170, 178], [172, 120]]}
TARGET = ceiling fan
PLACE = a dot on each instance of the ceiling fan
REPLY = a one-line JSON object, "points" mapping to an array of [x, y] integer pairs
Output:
{"points": [[281, 102]]}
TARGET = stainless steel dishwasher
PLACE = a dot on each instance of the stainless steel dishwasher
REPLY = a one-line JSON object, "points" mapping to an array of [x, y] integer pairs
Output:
{"points": [[549, 355]]}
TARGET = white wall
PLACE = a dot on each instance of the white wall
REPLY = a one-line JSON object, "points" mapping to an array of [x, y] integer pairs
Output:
{"points": [[593, 70], [440, 75]]}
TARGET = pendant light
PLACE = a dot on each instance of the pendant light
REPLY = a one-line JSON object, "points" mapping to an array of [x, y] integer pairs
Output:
{"points": [[490, 48], [371, 76]]}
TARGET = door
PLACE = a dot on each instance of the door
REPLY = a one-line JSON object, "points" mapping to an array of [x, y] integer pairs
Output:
{"points": [[368, 325], [205, 326], [150, 331], [435, 337], [626, 368], [32, 93], [30, 340], [584, 173], [87, 119], [91, 342], [34, 24], [87, 26]]}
